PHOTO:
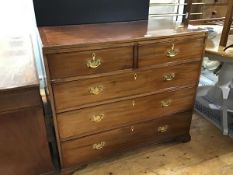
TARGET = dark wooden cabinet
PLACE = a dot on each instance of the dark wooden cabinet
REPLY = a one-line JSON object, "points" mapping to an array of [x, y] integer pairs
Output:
{"points": [[24, 148], [117, 86]]}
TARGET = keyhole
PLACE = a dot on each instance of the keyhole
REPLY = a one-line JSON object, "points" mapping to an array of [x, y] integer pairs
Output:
{"points": [[93, 56], [133, 103], [135, 76], [173, 46], [132, 129]]}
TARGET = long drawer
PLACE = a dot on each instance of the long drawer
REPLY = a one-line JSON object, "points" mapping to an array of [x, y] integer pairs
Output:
{"points": [[160, 52], [62, 65], [97, 146], [104, 117], [71, 95]]}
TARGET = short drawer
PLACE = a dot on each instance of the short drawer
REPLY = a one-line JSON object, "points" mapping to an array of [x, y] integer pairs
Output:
{"points": [[84, 150], [63, 65], [75, 94], [170, 51], [105, 117]]}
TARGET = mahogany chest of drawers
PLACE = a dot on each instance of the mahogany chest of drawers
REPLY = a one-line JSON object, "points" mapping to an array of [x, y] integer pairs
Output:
{"points": [[24, 148], [115, 86]]}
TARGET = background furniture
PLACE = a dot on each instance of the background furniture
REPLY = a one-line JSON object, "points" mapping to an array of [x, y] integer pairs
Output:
{"points": [[215, 102], [227, 25], [117, 86], [193, 12], [206, 11], [168, 9], [24, 148]]}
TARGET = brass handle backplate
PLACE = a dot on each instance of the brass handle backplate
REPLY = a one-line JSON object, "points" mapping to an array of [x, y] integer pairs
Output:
{"points": [[94, 62], [99, 146], [162, 129], [169, 76], [171, 52], [96, 90], [166, 103], [97, 118]]}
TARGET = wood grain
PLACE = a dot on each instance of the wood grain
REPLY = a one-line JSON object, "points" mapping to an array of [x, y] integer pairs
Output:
{"points": [[23, 146], [67, 95], [122, 113], [70, 64], [65, 38], [66, 49], [81, 151], [227, 24], [17, 67], [19, 98], [156, 53], [172, 158]]}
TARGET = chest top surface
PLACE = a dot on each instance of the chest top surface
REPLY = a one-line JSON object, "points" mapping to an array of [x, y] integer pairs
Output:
{"points": [[57, 37], [17, 66]]}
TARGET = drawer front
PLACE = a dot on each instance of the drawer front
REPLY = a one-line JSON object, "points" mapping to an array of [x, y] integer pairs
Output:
{"points": [[75, 94], [104, 117], [24, 148], [90, 148], [19, 98], [71, 64], [163, 52]]}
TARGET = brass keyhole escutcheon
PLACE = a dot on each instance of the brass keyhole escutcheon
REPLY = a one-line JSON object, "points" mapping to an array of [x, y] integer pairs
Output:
{"points": [[135, 76], [132, 128], [133, 103]]}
